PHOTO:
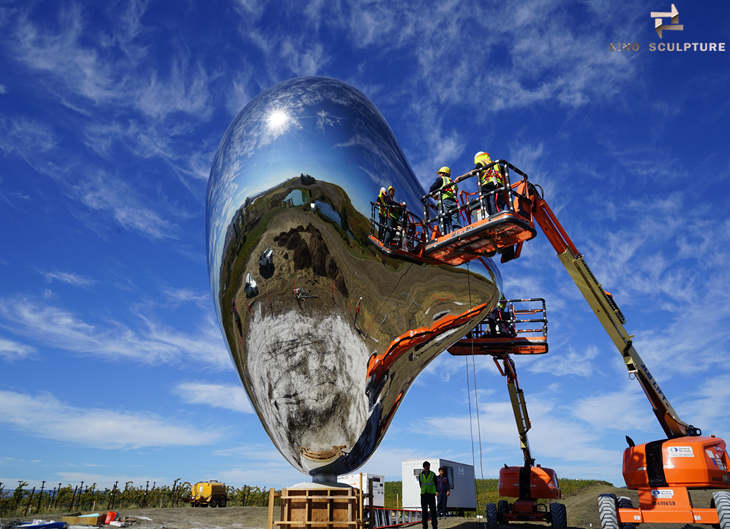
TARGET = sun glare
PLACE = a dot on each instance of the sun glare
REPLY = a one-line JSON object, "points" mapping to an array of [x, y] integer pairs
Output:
{"points": [[277, 120]]}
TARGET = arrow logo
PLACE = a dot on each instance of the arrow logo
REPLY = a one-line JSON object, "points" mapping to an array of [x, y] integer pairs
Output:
{"points": [[659, 25]]}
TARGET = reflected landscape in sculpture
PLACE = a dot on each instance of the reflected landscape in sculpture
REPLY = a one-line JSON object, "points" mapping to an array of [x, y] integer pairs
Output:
{"points": [[304, 298]]}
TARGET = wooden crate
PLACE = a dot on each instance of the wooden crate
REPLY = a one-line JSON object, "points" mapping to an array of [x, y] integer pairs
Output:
{"points": [[320, 507]]}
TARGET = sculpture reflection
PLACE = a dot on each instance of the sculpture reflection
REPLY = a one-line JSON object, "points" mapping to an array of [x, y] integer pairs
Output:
{"points": [[327, 332]]}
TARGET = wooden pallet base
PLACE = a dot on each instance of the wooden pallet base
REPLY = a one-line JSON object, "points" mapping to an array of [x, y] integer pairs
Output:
{"points": [[317, 506]]}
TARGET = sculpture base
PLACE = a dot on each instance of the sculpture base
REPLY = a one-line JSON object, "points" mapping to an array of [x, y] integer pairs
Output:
{"points": [[315, 505]]}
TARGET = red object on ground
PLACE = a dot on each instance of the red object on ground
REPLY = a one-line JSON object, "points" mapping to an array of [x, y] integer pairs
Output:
{"points": [[110, 517]]}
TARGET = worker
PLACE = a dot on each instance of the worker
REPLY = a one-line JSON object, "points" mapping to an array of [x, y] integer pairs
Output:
{"points": [[394, 211], [447, 200], [382, 213], [496, 319], [443, 489], [490, 180], [427, 481]]}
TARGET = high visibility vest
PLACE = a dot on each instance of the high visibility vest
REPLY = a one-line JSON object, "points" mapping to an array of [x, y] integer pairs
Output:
{"points": [[427, 482], [382, 207], [448, 189], [493, 175]]}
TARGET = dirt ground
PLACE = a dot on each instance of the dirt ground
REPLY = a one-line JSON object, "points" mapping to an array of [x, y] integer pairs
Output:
{"points": [[581, 508]]}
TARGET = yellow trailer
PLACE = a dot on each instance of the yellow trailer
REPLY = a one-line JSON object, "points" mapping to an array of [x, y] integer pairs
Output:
{"points": [[208, 493]]}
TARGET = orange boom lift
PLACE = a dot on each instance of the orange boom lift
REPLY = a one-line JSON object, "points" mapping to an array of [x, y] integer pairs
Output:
{"points": [[661, 471], [502, 333]]}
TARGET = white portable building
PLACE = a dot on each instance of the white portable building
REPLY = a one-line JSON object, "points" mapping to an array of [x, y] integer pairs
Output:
{"points": [[463, 495], [377, 482]]}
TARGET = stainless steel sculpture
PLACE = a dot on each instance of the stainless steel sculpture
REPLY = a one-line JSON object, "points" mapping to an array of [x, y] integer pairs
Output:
{"points": [[306, 302]]}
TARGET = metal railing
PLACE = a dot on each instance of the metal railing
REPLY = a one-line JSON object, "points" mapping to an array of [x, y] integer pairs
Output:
{"points": [[385, 517], [516, 319], [473, 206]]}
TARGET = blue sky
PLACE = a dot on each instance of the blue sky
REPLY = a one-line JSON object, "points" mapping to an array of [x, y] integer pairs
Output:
{"points": [[112, 366]]}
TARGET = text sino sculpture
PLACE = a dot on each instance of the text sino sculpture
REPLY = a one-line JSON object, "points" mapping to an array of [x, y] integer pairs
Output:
{"points": [[326, 331]]}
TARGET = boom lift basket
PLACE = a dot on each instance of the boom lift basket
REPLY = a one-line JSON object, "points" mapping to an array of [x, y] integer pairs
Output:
{"points": [[522, 332], [424, 239]]}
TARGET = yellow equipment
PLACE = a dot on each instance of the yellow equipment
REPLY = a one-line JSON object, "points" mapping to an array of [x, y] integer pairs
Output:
{"points": [[208, 493]]}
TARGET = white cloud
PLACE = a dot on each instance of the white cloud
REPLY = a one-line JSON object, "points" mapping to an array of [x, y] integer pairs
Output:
{"points": [[253, 451], [103, 192], [69, 278], [10, 350], [153, 343], [628, 410], [186, 295], [572, 362], [25, 137], [226, 396], [3, 90], [45, 416]]}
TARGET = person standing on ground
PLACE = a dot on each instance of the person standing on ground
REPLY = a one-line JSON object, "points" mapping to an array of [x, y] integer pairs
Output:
{"points": [[443, 490], [427, 481]]}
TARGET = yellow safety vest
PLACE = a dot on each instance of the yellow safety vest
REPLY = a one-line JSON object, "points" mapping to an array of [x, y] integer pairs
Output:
{"points": [[491, 176], [448, 189], [427, 482], [384, 207]]}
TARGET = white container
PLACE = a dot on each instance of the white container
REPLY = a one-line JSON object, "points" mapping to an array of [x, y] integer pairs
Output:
{"points": [[376, 480], [463, 495]]}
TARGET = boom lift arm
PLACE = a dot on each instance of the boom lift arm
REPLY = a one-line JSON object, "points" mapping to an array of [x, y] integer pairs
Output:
{"points": [[519, 407], [609, 315]]}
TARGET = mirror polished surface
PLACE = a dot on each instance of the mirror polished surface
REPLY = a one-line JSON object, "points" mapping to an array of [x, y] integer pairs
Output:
{"points": [[327, 333]]}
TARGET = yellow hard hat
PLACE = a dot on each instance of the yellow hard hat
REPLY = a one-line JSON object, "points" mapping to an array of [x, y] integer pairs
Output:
{"points": [[444, 170], [391, 187], [482, 158]]}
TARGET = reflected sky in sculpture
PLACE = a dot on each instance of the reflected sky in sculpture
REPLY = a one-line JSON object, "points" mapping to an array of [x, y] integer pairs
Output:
{"points": [[305, 300]]}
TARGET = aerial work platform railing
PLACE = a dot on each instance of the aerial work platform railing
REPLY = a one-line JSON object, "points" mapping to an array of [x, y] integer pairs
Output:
{"points": [[384, 518], [510, 330], [425, 238]]}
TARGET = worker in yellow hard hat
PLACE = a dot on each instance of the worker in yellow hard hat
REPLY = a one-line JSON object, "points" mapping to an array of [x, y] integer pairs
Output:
{"points": [[490, 180], [390, 213], [448, 207]]}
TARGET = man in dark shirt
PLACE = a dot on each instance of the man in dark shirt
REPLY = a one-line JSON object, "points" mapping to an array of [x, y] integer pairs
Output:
{"points": [[446, 199], [443, 490]]}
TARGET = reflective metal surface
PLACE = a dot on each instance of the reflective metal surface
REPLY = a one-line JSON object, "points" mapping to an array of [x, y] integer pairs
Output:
{"points": [[327, 333]]}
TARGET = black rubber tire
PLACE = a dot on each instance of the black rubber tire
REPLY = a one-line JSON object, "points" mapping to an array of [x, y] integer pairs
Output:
{"points": [[492, 522], [722, 504], [558, 516], [624, 502], [223, 502], [502, 508], [607, 505]]}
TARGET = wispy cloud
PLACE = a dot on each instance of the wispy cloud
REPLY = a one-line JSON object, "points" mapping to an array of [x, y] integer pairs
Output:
{"points": [[45, 416], [69, 278], [255, 451], [106, 193], [152, 343], [226, 396], [3, 89], [11, 350], [186, 295], [25, 137]]}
